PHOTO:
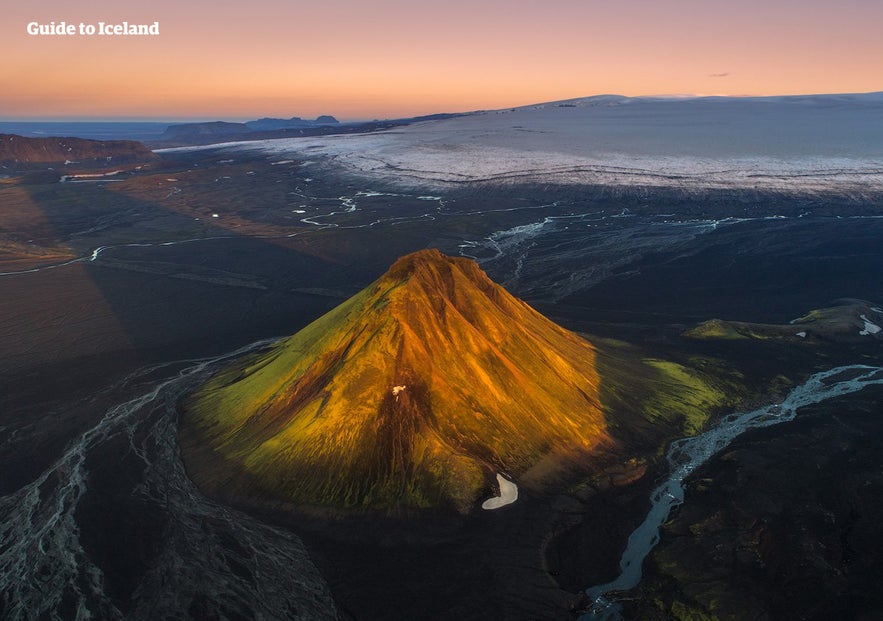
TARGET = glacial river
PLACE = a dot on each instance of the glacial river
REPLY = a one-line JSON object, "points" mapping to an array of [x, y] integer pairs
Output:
{"points": [[206, 558], [687, 454]]}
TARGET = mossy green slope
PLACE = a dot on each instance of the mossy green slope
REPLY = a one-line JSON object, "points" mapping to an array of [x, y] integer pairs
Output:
{"points": [[412, 394], [848, 321]]}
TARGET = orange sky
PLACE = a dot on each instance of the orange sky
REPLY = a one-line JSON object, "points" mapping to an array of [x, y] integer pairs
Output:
{"points": [[388, 58]]}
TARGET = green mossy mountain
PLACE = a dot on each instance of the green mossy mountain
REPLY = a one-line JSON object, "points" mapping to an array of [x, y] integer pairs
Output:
{"points": [[412, 394]]}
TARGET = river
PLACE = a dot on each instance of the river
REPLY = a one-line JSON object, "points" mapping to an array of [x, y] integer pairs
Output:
{"points": [[687, 454], [118, 496]]}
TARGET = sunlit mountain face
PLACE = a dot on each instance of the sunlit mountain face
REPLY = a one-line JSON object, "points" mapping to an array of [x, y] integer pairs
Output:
{"points": [[413, 394]]}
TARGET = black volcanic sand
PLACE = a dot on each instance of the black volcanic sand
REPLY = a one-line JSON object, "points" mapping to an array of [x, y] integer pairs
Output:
{"points": [[69, 333], [785, 524], [764, 271], [486, 566], [508, 563], [74, 331]]}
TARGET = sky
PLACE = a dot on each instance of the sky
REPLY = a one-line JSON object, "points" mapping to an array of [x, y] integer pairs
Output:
{"points": [[360, 59]]}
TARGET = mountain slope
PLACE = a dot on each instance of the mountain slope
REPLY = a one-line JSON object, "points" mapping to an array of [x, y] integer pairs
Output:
{"points": [[412, 394], [20, 152]]}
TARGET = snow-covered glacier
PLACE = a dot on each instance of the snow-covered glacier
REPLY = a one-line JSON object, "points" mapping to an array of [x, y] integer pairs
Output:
{"points": [[803, 143]]}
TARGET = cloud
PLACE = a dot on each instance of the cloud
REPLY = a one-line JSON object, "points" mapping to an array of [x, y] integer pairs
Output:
{"points": [[718, 75]]}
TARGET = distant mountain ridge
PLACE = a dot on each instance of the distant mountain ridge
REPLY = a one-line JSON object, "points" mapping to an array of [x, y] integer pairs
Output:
{"points": [[216, 128], [213, 132], [612, 100], [21, 153], [293, 122]]}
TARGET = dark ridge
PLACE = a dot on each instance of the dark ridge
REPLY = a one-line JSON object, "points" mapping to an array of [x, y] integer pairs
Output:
{"points": [[192, 134], [21, 153]]}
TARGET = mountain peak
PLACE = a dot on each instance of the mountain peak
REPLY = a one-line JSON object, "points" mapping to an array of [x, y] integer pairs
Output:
{"points": [[430, 257], [431, 268], [415, 393]]}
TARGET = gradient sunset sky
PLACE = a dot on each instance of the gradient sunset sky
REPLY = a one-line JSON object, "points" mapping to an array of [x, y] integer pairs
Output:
{"points": [[358, 59]]}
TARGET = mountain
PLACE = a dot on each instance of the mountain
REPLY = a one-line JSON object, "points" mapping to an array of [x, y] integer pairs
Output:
{"points": [[18, 152], [214, 132], [210, 129], [293, 122], [415, 393], [849, 320]]}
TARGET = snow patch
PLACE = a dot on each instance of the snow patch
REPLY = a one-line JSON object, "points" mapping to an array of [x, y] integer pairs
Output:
{"points": [[396, 390], [508, 495], [870, 327], [801, 335], [90, 177]]}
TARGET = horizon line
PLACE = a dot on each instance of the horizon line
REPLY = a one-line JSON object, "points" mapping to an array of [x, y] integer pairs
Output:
{"points": [[123, 118]]}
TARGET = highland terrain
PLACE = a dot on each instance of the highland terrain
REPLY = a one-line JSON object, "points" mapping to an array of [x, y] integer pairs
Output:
{"points": [[227, 394]]}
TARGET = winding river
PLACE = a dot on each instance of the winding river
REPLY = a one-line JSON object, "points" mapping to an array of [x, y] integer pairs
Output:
{"points": [[206, 558], [687, 454]]}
